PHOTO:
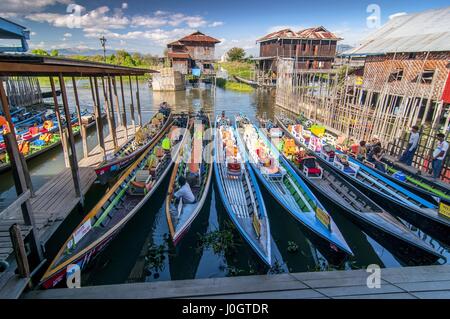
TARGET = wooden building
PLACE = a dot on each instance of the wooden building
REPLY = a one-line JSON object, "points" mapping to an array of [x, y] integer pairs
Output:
{"points": [[403, 82], [196, 50], [312, 48]]}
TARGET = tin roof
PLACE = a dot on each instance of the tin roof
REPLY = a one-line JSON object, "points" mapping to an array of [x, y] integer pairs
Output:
{"points": [[33, 65], [314, 33], [419, 32], [198, 37]]}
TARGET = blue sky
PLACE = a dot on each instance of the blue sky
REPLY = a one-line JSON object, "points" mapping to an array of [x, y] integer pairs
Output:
{"points": [[146, 26]]}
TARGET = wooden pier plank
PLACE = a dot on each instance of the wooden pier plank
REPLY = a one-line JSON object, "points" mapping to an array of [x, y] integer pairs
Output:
{"points": [[281, 286], [54, 200]]}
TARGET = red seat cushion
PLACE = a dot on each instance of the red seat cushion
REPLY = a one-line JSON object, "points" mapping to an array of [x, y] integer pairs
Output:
{"points": [[314, 170]]}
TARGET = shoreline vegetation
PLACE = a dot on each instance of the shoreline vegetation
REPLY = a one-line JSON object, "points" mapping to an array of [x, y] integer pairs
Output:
{"points": [[120, 57], [236, 68]]}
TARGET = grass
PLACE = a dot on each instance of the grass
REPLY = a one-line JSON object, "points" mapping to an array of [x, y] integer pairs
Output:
{"points": [[241, 69], [234, 86]]}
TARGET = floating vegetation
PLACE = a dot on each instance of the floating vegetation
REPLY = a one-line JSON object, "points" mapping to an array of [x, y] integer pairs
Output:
{"points": [[292, 247], [277, 268], [221, 241], [234, 271], [155, 259]]}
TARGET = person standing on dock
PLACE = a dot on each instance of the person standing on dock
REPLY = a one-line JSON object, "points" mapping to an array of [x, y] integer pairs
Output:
{"points": [[413, 143], [438, 155]]}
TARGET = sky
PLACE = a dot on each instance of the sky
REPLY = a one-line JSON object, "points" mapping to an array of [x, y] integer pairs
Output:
{"points": [[146, 26]]}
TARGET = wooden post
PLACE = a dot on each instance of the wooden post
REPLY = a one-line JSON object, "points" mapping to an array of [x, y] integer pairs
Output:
{"points": [[112, 128], [133, 121], [27, 174], [19, 250], [124, 113], [116, 100], [71, 143], [98, 115], [113, 115], [18, 173], [58, 119], [138, 103], [80, 122]]}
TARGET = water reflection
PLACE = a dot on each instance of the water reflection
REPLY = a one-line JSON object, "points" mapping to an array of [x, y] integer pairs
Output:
{"points": [[136, 254]]}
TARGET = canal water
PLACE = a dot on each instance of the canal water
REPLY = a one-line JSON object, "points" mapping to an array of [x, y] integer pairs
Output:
{"points": [[143, 251]]}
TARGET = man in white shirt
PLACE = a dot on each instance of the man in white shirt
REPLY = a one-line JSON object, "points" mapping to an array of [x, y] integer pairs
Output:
{"points": [[413, 143], [184, 192], [438, 155]]}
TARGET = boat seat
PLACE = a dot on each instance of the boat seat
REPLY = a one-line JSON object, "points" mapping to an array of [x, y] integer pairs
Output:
{"points": [[142, 175]]}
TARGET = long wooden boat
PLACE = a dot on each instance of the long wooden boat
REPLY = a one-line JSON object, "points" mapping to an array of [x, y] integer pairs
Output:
{"points": [[288, 188], [420, 185], [194, 162], [131, 191], [396, 199], [338, 192], [135, 146], [41, 142], [239, 190]]}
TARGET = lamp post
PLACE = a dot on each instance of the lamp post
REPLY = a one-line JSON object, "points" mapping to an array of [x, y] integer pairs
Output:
{"points": [[103, 43]]}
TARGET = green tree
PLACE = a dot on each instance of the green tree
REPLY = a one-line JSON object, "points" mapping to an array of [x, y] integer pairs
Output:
{"points": [[54, 53], [236, 54], [40, 52]]}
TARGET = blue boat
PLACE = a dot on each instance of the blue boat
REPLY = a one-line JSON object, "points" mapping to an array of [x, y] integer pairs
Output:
{"points": [[239, 190], [344, 197], [428, 216], [288, 188]]}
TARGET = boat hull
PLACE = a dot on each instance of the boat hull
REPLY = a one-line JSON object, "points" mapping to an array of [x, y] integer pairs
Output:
{"points": [[408, 251], [410, 214], [232, 215], [107, 171]]}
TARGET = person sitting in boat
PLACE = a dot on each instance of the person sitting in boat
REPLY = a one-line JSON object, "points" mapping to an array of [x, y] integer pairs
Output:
{"points": [[166, 144], [224, 120], [184, 192], [375, 156], [164, 108], [362, 151], [343, 160], [374, 143]]}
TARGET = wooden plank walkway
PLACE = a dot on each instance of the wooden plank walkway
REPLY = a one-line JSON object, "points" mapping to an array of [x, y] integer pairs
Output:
{"points": [[403, 283], [95, 156], [56, 199]]}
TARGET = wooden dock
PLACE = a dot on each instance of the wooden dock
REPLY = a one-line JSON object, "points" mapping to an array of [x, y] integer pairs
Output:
{"points": [[95, 155], [421, 282], [55, 199]]}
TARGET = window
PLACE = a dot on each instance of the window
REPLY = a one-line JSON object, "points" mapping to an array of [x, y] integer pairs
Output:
{"points": [[303, 47], [396, 75], [411, 55], [426, 77]]}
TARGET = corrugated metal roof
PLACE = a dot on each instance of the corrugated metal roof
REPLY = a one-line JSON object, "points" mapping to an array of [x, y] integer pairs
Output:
{"points": [[419, 32], [315, 33]]}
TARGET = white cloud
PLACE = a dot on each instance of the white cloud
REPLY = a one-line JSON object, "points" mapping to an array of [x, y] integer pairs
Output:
{"points": [[124, 5], [39, 45], [33, 33], [215, 24], [17, 7], [248, 44], [67, 35], [95, 18]]}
